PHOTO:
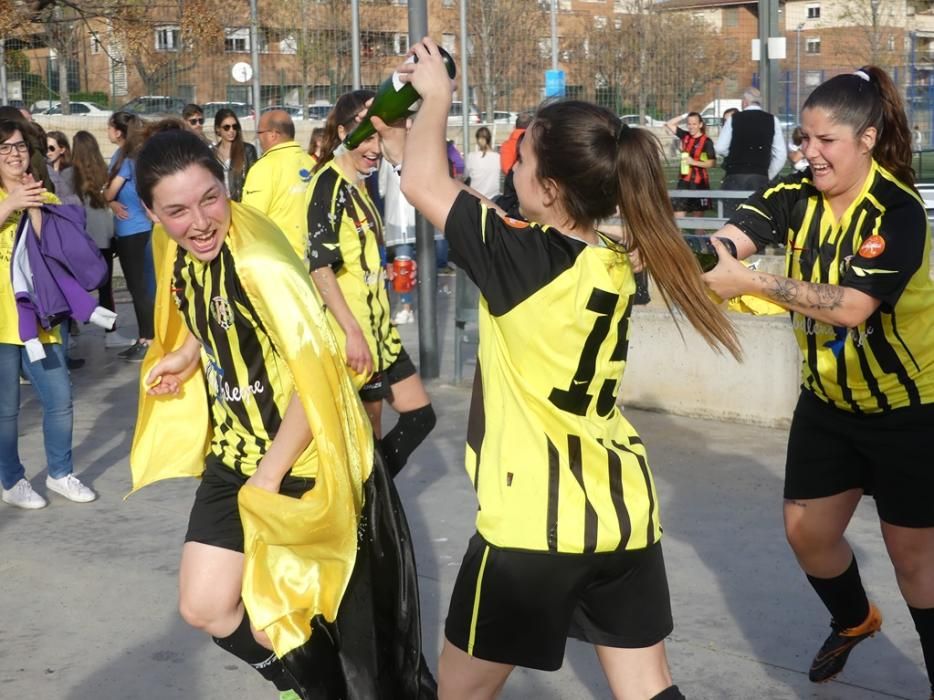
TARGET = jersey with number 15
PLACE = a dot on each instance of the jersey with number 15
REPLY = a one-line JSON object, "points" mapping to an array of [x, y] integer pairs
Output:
{"points": [[555, 465]]}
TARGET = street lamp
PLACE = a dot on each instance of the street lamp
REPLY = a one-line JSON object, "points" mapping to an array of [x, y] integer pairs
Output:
{"points": [[798, 71]]}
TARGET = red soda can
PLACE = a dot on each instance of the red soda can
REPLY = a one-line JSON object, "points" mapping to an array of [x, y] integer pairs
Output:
{"points": [[403, 266]]}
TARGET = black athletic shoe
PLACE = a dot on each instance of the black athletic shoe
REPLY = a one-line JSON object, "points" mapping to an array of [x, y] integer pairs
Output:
{"points": [[832, 656]]}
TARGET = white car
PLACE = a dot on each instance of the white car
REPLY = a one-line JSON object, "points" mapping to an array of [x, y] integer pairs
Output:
{"points": [[85, 109], [633, 120]]}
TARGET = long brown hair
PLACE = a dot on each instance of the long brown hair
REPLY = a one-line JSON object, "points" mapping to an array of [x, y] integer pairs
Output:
{"points": [[859, 103], [344, 113], [89, 168], [131, 129], [599, 165], [62, 141], [237, 149]]}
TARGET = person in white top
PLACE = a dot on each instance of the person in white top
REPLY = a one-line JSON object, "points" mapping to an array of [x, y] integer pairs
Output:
{"points": [[482, 166], [398, 231]]}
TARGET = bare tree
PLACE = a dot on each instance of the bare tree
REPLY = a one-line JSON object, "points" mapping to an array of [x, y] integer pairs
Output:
{"points": [[873, 38]]}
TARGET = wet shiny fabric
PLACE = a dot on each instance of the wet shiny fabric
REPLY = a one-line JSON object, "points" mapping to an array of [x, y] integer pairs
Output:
{"points": [[373, 650], [299, 554]]}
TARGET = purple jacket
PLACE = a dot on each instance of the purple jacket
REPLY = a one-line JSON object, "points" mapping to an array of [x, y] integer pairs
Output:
{"points": [[53, 274]]}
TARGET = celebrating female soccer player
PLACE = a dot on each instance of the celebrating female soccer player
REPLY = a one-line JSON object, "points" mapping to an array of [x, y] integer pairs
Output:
{"points": [[859, 291], [568, 534], [345, 257], [291, 506]]}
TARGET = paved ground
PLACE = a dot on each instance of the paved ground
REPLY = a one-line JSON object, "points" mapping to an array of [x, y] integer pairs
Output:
{"points": [[89, 590]]}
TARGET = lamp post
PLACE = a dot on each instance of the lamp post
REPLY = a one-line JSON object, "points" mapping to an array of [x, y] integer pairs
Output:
{"points": [[798, 71]]}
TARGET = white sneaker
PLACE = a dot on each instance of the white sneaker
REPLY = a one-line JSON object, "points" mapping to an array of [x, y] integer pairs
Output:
{"points": [[22, 496], [117, 340], [72, 489], [404, 316]]}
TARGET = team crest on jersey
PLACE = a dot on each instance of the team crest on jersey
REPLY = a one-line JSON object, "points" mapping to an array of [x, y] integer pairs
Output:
{"points": [[872, 247], [222, 313]]}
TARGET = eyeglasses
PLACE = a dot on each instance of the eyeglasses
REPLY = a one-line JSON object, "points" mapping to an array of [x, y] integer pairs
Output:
{"points": [[52, 147], [228, 127], [266, 131], [7, 148], [194, 121]]}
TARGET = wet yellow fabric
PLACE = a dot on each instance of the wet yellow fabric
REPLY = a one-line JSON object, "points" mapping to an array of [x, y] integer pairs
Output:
{"points": [[298, 553]]}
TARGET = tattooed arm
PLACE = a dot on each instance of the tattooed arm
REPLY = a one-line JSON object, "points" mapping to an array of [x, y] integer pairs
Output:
{"points": [[829, 303]]}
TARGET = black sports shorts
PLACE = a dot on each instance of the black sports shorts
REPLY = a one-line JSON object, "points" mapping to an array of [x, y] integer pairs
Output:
{"points": [[887, 455], [215, 515], [519, 607], [380, 385]]}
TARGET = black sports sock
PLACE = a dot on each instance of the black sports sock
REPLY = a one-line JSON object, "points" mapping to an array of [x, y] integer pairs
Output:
{"points": [[244, 646], [924, 623], [408, 433], [844, 596], [669, 693]]}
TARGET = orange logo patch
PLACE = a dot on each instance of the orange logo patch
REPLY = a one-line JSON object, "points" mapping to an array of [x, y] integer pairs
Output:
{"points": [[872, 247], [515, 223]]}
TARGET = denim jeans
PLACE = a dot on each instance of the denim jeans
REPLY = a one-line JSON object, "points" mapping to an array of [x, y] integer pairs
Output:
{"points": [[49, 377]]}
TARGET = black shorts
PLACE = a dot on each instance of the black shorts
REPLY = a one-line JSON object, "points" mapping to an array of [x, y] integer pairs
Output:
{"points": [[380, 385], [887, 455], [684, 204], [215, 515], [519, 607]]}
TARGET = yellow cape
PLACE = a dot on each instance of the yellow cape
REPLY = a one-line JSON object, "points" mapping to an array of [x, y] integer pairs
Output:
{"points": [[298, 553]]}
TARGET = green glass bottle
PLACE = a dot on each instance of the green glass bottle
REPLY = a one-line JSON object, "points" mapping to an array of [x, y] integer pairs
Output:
{"points": [[392, 101], [704, 251]]}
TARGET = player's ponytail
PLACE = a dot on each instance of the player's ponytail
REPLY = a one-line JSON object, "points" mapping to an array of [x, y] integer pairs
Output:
{"points": [[343, 114], [601, 164], [646, 210], [869, 98]]}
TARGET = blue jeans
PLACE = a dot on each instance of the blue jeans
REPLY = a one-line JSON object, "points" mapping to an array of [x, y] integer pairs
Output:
{"points": [[50, 379]]}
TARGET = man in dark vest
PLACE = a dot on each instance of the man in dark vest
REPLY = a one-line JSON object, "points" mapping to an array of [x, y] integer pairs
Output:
{"points": [[752, 148]]}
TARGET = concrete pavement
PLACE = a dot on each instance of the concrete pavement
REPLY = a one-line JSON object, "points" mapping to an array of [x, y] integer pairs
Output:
{"points": [[89, 590]]}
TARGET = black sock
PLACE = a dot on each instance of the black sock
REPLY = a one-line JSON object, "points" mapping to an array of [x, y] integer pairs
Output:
{"points": [[408, 433], [244, 646], [924, 623], [669, 693], [844, 596]]}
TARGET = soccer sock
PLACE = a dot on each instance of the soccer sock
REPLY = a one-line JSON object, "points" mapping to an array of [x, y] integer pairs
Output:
{"points": [[924, 623], [408, 433], [669, 693], [244, 646], [844, 596]]}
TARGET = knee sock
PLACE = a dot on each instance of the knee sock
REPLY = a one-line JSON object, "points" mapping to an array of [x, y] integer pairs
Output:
{"points": [[844, 596], [669, 693], [244, 646], [924, 623], [408, 433]]}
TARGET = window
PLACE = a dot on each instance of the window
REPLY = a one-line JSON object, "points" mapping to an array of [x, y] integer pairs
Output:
{"points": [[813, 78], [167, 38], [448, 3], [813, 11], [449, 43], [237, 40], [599, 22], [400, 41], [890, 44], [812, 46], [730, 16], [96, 46]]}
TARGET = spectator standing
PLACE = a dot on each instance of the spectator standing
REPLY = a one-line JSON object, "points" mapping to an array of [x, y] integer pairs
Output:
{"points": [[482, 168], [795, 154], [752, 147], [132, 226], [90, 182], [277, 183], [509, 201], [399, 232], [917, 138], [315, 143], [58, 159], [697, 157], [193, 116], [232, 151], [20, 193]]}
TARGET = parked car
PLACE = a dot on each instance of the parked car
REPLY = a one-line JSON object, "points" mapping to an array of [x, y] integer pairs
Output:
{"points": [[154, 106], [87, 109], [319, 110], [241, 109], [294, 111], [505, 117], [634, 120]]}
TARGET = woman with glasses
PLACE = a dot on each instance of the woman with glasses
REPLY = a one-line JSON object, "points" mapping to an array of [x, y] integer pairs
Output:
{"points": [[19, 193], [236, 155], [193, 116], [132, 226]]}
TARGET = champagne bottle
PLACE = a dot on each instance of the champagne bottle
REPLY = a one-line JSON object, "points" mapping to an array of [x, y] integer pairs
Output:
{"points": [[392, 101], [704, 251]]}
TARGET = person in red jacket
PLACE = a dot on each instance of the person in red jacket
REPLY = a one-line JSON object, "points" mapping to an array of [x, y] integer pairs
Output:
{"points": [[507, 152]]}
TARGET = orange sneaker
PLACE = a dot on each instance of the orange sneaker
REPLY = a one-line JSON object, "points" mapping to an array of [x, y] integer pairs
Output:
{"points": [[832, 656]]}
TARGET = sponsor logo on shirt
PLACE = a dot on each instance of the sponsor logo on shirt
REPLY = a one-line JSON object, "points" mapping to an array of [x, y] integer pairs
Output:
{"points": [[872, 247]]}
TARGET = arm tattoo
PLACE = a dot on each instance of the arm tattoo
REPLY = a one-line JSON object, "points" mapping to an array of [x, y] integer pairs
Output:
{"points": [[816, 296]]}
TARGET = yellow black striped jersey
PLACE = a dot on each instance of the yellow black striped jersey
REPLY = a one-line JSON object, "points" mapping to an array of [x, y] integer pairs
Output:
{"points": [[555, 465], [880, 246], [345, 231], [248, 383]]}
